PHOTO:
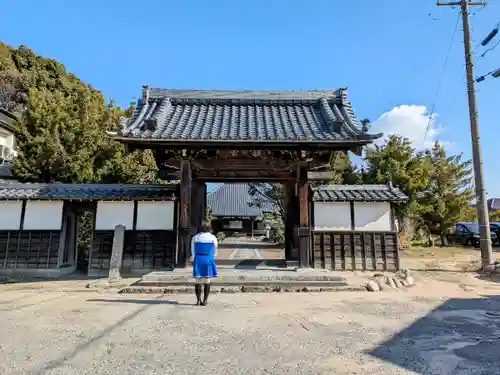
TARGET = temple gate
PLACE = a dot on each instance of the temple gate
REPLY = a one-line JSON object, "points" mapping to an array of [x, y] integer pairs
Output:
{"points": [[201, 136], [212, 136]]}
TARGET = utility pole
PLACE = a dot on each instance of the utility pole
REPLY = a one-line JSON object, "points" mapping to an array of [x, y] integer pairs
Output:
{"points": [[477, 158]]}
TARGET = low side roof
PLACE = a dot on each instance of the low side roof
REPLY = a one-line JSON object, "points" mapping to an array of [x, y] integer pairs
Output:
{"points": [[17, 191], [358, 193]]}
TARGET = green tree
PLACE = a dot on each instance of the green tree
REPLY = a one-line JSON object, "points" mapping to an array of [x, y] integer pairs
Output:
{"points": [[343, 170], [448, 197], [273, 197], [265, 194], [62, 135], [396, 161]]}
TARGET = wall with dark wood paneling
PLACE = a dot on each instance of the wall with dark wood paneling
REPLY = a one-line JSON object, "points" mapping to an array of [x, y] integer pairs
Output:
{"points": [[352, 250], [143, 250], [34, 249]]}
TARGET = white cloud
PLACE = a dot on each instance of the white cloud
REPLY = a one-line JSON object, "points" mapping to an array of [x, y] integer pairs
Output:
{"points": [[410, 121]]}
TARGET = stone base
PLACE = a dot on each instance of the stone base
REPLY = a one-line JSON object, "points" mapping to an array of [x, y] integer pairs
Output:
{"points": [[123, 272], [42, 273], [284, 288], [246, 276]]}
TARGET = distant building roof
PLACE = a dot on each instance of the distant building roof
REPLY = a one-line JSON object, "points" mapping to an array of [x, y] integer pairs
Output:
{"points": [[171, 116], [16, 191], [234, 200], [7, 120], [358, 193], [493, 204]]}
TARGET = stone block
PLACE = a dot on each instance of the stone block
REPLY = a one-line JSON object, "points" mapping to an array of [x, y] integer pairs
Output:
{"points": [[372, 286], [115, 263]]}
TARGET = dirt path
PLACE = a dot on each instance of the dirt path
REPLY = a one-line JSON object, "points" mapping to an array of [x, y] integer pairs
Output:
{"points": [[448, 324]]}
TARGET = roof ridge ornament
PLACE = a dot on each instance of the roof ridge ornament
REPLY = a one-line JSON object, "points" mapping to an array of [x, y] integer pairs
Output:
{"points": [[366, 125], [146, 93]]}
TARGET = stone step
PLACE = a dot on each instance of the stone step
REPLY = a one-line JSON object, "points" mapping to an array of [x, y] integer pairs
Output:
{"points": [[229, 276], [250, 263], [263, 288], [244, 283]]}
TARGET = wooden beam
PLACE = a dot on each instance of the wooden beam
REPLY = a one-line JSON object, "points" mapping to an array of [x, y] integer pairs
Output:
{"points": [[320, 176]]}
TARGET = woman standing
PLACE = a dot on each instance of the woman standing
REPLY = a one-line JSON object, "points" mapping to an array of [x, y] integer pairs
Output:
{"points": [[204, 250]]}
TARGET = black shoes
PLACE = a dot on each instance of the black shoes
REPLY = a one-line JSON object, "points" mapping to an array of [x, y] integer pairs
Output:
{"points": [[197, 290], [206, 292]]}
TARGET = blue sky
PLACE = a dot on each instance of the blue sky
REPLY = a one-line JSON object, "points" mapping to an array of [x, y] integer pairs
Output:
{"points": [[389, 53]]}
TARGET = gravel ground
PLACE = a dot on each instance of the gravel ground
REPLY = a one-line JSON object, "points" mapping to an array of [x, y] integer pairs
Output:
{"points": [[52, 332]]}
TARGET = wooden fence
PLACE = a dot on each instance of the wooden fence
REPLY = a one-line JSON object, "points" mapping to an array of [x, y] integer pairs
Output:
{"points": [[29, 249], [143, 250], [352, 250]]}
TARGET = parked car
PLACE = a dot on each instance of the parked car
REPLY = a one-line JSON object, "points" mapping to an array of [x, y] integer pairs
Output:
{"points": [[495, 227], [468, 234]]}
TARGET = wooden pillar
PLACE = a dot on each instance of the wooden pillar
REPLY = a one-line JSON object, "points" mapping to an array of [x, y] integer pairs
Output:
{"points": [[304, 229], [291, 243], [204, 201], [184, 215], [197, 209], [194, 217]]}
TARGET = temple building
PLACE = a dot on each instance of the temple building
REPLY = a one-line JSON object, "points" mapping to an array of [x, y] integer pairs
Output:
{"points": [[7, 144], [234, 211]]}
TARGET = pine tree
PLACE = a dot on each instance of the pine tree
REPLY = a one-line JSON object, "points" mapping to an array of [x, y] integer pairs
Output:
{"points": [[396, 161], [62, 136], [450, 192]]}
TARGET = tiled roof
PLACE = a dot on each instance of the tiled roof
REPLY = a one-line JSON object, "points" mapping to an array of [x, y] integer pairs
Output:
{"points": [[233, 200], [358, 193], [14, 191], [286, 116]]}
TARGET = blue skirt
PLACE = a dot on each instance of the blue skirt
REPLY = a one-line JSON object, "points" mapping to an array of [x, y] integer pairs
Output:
{"points": [[204, 267]]}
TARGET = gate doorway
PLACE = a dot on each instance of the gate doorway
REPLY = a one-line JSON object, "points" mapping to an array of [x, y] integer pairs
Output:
{"points": [[248, 224]]}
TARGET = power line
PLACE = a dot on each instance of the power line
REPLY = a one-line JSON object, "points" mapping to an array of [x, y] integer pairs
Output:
{"points": [[490, 49], [440, 81], [493, 33]]}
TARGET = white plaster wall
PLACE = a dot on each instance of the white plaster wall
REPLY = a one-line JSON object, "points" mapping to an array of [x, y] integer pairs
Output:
{"points": [[43, 215], [111, 214], [7, 140], [332, 216], [155, 215], [10, 215], [372, 216]]}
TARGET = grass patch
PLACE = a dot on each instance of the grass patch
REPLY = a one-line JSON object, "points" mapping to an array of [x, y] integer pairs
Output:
{"points": [[446, 258], [439, 251]]}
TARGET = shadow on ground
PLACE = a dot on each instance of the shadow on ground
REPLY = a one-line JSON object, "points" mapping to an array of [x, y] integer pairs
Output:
{"points": [[490, 277], [141, 301], [461, 336]]}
